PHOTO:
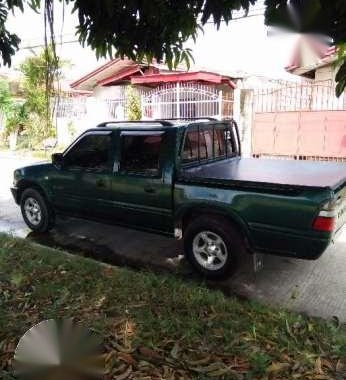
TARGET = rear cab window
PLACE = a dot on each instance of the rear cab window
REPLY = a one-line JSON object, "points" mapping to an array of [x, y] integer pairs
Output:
{"points": [[207, 143], [141, 152]]}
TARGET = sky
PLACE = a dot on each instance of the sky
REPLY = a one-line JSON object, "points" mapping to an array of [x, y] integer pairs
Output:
{"points": [[243, 45]]}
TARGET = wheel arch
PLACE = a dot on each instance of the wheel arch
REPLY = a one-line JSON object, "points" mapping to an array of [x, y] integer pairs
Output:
{"points": [[25, 184], [184, 217]]}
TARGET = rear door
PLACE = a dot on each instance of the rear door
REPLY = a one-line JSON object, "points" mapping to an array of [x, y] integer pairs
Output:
{"points": [[142, 185]]}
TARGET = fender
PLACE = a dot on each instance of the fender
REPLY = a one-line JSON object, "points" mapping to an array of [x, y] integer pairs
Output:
{"points": [[186, 213], [27, 183]]}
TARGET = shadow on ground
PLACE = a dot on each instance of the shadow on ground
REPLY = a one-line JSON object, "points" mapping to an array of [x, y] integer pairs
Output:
{"points": [[315, 287]]}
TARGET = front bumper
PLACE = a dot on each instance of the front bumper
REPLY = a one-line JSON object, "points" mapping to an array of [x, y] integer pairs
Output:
{"points": [[15, 193]]}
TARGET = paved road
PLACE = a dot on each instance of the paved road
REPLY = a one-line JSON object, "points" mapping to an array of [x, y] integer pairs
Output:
{"points": [[315, 287]]}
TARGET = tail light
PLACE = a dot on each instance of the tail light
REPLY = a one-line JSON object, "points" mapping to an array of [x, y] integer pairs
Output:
{"points": [[326, 219]]}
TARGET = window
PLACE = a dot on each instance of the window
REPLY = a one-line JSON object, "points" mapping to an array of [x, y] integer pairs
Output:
{"points": [[91, 152], [141, 153], [190, 152], [198, 145], [205, 144], [219, 142]]}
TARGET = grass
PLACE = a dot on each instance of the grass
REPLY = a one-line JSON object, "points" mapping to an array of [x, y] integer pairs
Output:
{"points": [[160, 326]]}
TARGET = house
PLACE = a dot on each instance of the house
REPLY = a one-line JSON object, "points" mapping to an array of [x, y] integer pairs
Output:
{"points": [[313, 59], [162, 93]]}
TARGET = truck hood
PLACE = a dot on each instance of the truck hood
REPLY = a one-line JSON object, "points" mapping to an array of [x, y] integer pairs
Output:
{"points": [[35, 168], [272, 173]]}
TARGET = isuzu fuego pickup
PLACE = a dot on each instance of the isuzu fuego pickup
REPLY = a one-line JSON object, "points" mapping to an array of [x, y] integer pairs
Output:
{"points": [[187, 179]]}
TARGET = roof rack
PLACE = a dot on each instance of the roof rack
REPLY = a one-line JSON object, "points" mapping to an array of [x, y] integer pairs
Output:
{"points": [[164, 123], [189, 118]]}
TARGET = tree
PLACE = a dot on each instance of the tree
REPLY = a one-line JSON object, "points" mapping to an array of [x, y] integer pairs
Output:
{"points": [[133, 104], [17, 117], [13, 113], [159, 28], [5, 98], [39, 95]]}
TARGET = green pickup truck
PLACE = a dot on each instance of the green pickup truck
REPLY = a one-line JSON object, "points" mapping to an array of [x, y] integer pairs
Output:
{"points": [[187, 179]]}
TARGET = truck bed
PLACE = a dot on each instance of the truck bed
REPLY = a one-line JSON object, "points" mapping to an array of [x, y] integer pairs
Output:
{"points": [[285, 174]]}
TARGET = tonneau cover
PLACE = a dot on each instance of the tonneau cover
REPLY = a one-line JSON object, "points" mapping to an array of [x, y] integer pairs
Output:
{"points": [[270, 173]]}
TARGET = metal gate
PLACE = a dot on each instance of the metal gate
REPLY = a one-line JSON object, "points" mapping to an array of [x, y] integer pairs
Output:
{"points": [[300, 121], [187, 100]]}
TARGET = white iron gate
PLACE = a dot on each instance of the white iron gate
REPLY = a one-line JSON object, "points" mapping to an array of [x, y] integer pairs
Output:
{"points": [[187, 100]]}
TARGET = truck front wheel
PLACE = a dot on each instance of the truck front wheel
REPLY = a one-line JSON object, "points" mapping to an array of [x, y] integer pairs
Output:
{"points": [[212, 246], [36, 211]]}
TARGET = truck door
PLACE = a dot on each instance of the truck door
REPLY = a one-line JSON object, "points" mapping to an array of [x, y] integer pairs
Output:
{"points": [[82, 185], [142, 183]]}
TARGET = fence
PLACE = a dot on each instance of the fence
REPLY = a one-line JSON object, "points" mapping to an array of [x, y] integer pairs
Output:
{"points": [[303, 121], [166, 101], [187, 100], [71, 107], [306, 96]]}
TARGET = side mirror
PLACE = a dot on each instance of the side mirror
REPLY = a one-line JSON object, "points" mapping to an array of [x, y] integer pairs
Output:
{"points": [[57, 160]]}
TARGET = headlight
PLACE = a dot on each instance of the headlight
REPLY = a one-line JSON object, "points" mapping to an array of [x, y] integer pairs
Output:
{"points": [[16, 177]]}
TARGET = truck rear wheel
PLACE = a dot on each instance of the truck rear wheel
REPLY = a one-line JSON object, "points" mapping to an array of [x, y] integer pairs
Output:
{"points": [[36, 212], [212, 246]]}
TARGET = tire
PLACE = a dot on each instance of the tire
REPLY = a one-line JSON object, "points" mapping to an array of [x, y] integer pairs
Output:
{"points": [[213, 246], [37, 213]]}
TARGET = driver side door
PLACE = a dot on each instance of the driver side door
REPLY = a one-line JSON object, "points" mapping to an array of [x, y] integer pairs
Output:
{"points": [[82, 186]]}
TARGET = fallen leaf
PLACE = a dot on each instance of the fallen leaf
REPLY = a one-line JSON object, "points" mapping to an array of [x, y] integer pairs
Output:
{"points": [[277, 367], [199, 361], [127, 358], [124, 375], [149, 353], [318, 366], [175, 350]]}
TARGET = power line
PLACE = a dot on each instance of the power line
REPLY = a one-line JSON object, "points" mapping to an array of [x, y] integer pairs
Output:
{"points": [[77, 41], [43, 45], [239, 18]]}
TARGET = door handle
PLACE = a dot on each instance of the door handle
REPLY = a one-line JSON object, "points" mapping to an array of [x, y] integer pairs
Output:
{"points": [[149, 189]]}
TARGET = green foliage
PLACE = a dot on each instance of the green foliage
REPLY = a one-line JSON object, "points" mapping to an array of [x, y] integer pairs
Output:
{"points": [[341, 65], [14, 112], [17, 117], [39, 92], [9, 42], [159, 29], [5, 97], [177, 328], [259, 363], [133, 104]]}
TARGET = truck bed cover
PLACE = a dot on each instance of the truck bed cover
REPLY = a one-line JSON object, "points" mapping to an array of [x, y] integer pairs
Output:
{"points": [[270, 173]]}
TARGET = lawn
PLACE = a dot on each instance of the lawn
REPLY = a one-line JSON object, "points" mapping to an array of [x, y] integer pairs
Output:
{"points": [[161, 326]]}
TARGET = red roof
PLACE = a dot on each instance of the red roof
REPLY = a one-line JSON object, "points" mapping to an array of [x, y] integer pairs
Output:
{"points": [[197, 76], [104, 72], [119, 71]]}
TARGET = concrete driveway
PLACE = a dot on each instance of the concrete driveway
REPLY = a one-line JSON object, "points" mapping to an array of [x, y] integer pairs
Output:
{"points": [[317, 288]]}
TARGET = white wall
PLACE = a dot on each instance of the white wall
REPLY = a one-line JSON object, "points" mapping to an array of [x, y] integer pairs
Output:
{"points": [[325, 73], [111, 92]]}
